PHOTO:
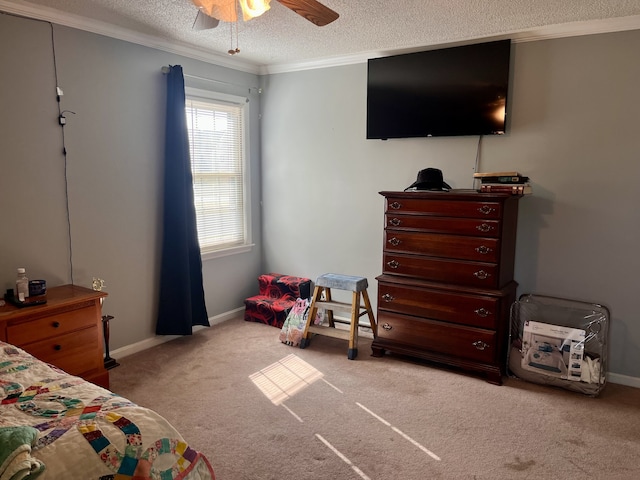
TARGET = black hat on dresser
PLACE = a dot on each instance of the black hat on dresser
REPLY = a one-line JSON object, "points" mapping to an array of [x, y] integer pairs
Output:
{"points": [[429, 179]]}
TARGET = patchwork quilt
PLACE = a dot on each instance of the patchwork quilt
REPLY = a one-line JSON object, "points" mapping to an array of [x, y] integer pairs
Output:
{"points": [[54, 425]]}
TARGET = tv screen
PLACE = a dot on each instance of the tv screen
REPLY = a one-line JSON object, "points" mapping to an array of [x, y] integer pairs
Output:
{"points": [[445, 92]]}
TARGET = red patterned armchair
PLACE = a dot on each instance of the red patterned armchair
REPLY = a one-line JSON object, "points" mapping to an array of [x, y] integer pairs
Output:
{"points": [[277, 295]]}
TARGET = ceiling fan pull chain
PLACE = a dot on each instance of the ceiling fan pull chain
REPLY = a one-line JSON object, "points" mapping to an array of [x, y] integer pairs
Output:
{"points": [[231, 50], [237, 50]]}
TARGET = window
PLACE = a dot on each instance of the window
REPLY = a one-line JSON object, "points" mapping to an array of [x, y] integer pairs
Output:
{"points": [[218, 146]]}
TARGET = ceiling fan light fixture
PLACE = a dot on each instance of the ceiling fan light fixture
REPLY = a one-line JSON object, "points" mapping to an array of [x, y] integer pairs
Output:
{"points": [[224, 10], [253, 8], [227, 11]]}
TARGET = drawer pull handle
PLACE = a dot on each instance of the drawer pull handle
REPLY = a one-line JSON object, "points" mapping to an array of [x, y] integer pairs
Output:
{"points": [[57, 347], [396, 205], [482, 312], [388, 298], [484, 227], [483, 250], [486, 209], [393, 264], [394, 241], [387, 327], [55, 324], [395, 222], [481, 274], [480, 345]]}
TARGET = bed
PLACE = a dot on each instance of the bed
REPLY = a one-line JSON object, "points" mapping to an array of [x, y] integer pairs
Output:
{"points": [[54, 426]]}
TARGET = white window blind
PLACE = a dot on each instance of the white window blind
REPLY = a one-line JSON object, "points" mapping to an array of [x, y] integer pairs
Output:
{"points": [[216, 141]]}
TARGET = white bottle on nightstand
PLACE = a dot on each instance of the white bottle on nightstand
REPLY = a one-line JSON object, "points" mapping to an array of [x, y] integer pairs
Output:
{"points": [[22, 285]]}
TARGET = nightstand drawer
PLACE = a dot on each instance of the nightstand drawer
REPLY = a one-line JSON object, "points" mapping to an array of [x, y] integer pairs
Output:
{"points": [[446, 246], [464, 342], [473, 310], [46, 327], [73, 352]]}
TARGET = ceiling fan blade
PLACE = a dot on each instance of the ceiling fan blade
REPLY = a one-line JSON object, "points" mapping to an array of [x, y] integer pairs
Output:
{"points": [[204, 22], [312, 10]]}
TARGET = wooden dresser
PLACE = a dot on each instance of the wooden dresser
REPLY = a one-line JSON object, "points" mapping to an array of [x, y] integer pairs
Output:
{"points": [[65, 332], [447, 283]]}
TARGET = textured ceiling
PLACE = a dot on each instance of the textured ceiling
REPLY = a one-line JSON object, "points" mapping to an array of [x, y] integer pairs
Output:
{"points": [[281, 38]]}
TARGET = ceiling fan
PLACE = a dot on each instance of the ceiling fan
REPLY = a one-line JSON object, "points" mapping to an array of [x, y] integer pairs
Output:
{"points": [[210, 12]]}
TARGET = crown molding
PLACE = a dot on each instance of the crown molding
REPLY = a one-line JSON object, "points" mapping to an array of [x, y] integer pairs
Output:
{"points": [[548, 32], [25, 9]]}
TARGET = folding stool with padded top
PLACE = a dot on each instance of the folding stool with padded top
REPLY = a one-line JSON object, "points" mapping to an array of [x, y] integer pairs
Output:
{"points": [[277, 294], [358, 285]]}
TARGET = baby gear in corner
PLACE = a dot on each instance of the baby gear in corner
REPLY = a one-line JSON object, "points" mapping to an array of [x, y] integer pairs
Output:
{"points": [[560, 342]]}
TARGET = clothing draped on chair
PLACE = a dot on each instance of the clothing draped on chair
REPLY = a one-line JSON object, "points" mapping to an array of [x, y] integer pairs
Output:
{"points": [[182, 303]]}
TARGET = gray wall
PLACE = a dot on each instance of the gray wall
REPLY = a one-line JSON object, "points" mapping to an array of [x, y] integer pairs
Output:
{"points": [[573, 129], [115, 145]]}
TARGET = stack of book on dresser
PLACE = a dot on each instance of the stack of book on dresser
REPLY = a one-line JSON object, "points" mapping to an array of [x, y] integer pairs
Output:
{"points": [[502, 182]]}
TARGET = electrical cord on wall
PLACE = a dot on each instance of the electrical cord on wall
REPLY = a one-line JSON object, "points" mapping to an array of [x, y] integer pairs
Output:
{"points": [[61, 121], [475, 167]]}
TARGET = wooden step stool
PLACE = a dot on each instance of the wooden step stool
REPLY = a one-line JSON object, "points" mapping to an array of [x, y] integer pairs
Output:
{"points": [[324, 283]]}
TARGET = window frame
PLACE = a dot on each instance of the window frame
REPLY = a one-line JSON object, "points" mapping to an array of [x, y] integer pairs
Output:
{"points": [[243, 102]]}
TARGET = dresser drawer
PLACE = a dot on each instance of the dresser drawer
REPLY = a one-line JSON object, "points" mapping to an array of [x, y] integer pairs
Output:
{"points": [[464, 309], [449, 339], [447, 246], [54, 325], [445, 208], [484, 275], [75, 352], [458, 226]]}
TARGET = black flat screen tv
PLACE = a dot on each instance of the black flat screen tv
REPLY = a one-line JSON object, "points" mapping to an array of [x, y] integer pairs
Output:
{"points": [[446, 92]]}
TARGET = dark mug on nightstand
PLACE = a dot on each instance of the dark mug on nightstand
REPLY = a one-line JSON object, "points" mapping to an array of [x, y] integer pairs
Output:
{"points": [[37, 288]]}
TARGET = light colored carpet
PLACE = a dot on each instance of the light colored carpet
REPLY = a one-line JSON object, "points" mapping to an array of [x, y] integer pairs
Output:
{"points": [[371, 418]]}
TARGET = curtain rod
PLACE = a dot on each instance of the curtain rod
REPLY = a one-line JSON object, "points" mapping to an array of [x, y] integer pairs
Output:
{"points": [[165, 69]]}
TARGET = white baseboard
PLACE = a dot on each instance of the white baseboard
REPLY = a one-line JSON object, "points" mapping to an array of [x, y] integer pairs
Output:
{"points": [[623, 380], [159, 339]]}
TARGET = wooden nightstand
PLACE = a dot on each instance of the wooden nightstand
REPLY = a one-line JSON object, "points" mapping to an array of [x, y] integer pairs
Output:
{"points": [[65, 332]]}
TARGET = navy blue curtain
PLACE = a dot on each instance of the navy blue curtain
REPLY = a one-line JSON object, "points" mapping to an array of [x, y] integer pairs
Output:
{"points": [[182, 302]]}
